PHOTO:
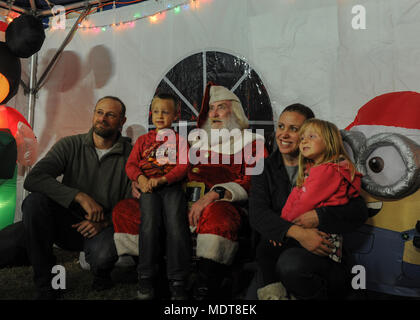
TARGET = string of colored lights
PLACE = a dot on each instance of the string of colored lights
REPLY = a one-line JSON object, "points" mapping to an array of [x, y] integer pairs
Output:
{"points": [[153, 18]]}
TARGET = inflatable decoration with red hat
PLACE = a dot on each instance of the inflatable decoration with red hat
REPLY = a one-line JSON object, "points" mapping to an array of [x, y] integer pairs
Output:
{"points": [[24, 36], [384, 142]]}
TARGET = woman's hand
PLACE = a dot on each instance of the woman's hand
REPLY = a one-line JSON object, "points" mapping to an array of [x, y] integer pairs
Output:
{"points": [[312, 239], [307, 220], [135, 189]]}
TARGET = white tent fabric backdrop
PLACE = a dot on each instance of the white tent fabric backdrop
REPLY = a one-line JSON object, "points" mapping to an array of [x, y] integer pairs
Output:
{"points": [[303, 51]]}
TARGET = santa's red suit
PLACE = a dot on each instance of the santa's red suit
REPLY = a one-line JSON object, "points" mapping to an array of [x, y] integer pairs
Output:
{"points": [[219, 223]]}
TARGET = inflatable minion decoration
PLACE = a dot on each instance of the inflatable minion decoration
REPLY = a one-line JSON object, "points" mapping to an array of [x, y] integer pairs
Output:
{"points": [[384, 143]]}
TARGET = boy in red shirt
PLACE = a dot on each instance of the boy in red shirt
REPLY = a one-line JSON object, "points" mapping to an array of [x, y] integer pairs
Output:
{"points": [[159, 170]]}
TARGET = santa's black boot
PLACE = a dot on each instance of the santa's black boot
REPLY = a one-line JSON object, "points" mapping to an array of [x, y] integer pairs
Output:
{"points": [[209, 279]]}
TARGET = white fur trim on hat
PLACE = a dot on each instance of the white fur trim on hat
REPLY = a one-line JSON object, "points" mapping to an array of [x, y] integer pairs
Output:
{"points": [[237, 191], [370, 130], [127, 243], [216, 248]]}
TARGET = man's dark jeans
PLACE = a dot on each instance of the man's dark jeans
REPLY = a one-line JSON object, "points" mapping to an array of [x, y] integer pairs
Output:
{"points": [[164, 211], [47, 223]]}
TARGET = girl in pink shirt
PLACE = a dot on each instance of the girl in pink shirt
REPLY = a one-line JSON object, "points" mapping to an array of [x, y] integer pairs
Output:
{"points": [[326, 175]]}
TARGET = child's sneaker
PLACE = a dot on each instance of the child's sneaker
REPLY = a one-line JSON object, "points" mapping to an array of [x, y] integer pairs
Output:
{"points": [[177, 289], [145, 290]]}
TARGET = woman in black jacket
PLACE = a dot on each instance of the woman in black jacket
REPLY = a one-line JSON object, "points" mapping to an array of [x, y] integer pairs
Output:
{"points": [[299, 250]]}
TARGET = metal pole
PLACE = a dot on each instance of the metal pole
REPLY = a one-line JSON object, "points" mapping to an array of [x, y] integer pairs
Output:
{"points": [[33, 5], [77, 5], [33, 67], [32, 87], [13, 7]]}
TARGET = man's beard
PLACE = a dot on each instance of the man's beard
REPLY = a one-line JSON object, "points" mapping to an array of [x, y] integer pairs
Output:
{"points": [[103, 132], [229, 124]]}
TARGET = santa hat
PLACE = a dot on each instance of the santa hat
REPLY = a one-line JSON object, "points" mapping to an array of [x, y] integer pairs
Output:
{"points": [[394, 112], [386, 110], [214, 93]]}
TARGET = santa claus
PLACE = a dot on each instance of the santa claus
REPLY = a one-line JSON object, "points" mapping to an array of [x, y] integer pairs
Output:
{"points": [[226, 178]]}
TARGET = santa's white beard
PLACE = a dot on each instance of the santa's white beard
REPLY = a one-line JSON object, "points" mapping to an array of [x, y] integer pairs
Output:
{"points": [[230, 124]]}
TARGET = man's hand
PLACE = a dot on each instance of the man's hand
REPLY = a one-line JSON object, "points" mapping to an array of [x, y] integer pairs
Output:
{"points": [[198, 207], [312, 240], [135, 189], [307, 220], [94, 212], [89, 229], [144, 184]]}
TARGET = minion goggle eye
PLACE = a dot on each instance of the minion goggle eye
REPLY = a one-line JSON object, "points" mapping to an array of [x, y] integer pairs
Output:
{"points": [[389, 162]]}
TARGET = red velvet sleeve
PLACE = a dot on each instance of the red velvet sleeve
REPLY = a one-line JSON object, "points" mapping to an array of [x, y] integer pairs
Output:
{"points": [[180, 170], [132, 167]]}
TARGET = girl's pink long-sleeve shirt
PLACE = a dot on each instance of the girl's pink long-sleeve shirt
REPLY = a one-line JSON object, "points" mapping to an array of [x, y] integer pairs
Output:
{"points": [[328, 184]]}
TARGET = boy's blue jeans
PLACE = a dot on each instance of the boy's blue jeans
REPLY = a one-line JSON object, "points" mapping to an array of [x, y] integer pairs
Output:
{"points": [[164, 223]]}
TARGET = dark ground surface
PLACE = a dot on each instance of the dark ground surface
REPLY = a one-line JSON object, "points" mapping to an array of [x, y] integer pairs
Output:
{"points": [[16, 283]]}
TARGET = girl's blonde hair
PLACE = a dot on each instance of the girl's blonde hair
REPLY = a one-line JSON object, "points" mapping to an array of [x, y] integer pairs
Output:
{"points": [[334, 147]]}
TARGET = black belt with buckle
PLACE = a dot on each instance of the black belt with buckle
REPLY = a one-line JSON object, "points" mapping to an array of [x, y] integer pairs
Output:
{"points": [[194, 191]]}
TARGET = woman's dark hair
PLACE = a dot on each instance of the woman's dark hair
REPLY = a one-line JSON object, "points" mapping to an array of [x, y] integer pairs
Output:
{"points": [[300, 108]]}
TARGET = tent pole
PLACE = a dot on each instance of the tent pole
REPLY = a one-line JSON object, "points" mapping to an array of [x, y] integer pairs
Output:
{"points": [[13, 7], [76, 5], [32, 87], [33, 67], [33, 5]]}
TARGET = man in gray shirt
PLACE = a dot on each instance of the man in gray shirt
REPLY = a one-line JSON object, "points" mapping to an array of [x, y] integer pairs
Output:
{"points": [[76, 213]]}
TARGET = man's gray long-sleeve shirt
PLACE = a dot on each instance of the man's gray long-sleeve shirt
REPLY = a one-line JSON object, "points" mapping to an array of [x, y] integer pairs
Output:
{"points": [[75, 157]]}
